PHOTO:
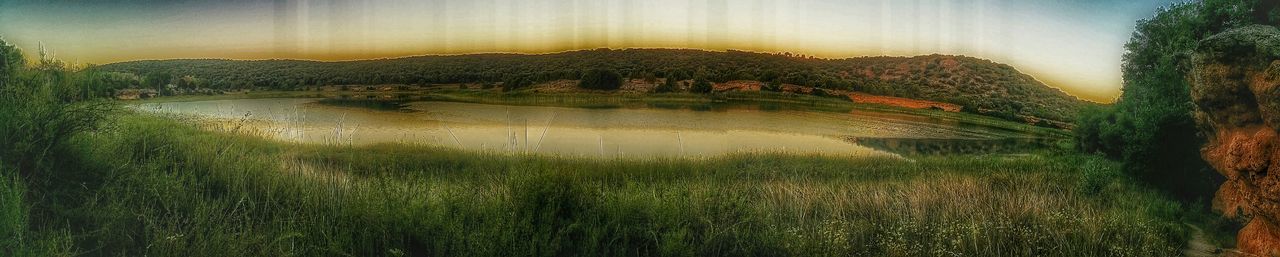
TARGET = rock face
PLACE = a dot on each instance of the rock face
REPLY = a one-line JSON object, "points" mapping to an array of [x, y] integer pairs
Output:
{"points": [[1236, 90]]}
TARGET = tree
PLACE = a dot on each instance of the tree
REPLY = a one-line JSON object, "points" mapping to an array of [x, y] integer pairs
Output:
{"points": [[819, 92], [701, 86], [515, 82], [601, 79], [190, 82], [1151, 128], [11, 61], [158, 80], [667, 86], [772, 86], [650, 78]]}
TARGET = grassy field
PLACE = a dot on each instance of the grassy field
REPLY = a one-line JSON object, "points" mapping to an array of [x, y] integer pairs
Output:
{"points": [[154, 186]]}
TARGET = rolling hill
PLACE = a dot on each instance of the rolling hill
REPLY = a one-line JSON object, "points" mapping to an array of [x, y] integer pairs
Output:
{"points": [[980, 86]]}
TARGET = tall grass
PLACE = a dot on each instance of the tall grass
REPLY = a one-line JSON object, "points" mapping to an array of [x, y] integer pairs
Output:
{"points": [[170, 189], [40, 110], [151, 186]]}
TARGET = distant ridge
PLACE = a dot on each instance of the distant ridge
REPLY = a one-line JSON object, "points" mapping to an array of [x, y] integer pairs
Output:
{"points": [[981, 86]]}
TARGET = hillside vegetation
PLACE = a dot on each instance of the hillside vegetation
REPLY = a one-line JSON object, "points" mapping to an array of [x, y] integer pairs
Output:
{"points": [[1151, 129], [980, 86]]}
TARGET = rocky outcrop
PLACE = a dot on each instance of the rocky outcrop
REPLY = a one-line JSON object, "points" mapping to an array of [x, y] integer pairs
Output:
{"points": [[1236, 90]]}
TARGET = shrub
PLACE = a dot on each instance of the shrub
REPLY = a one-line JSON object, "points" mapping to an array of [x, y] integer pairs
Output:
{"points": [[39, 110], [667, 86], [601, 79], [701, 86], [515, 82], [772, 86], [819, 92], [10, 61]]}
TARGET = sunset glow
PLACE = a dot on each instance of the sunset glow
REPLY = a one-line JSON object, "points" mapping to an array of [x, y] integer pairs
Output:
{"points": [[1072, 45]]}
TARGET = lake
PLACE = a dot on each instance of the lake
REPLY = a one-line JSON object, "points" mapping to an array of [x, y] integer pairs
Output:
{"points": [[596, 132]]}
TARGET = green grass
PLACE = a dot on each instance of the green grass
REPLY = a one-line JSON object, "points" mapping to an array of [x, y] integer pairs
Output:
{"points": [[74, 184], [157, 187]]}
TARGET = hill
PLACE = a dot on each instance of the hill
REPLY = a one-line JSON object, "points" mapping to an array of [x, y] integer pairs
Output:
{"points": [[980, 86]]}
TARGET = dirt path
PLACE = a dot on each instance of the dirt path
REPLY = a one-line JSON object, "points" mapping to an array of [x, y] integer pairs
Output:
{"points": [[1199, 246]]}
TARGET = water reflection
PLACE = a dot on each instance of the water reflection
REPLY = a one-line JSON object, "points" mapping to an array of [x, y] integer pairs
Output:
{"points": [[667, 131]]}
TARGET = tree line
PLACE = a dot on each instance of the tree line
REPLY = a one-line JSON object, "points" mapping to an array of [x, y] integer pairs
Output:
{"points": [[1151, 128], [983, 86]]}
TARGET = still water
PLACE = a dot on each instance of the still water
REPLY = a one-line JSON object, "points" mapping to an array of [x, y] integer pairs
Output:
{"points": [[618, 132]]}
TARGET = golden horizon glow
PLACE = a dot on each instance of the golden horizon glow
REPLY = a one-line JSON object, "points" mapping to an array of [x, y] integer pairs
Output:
{"points": [[1071, 45]]}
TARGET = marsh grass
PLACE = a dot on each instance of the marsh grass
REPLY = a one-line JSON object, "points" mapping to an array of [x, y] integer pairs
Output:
{"points": [[157, 187]]}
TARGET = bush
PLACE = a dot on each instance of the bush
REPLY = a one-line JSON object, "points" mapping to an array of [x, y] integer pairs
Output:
{"points": [[772, 86], [41, 109], [701, 86], [1100, 130], [601, 79], [515, 82], [819, 92], [667, 86], [10, 61], [1096, 176]]}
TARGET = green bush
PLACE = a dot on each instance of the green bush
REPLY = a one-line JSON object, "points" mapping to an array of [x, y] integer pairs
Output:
{"points": [[819, 92], [1151, 128], [1101, 130], [667, 86], [601, 79], [41, 109], [10, 62], [1096, 176], [515, 82], [701, 86], [772, 86]]}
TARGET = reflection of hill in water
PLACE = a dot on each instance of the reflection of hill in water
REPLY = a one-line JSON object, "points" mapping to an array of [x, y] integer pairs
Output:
{"points": [[931, 146]]}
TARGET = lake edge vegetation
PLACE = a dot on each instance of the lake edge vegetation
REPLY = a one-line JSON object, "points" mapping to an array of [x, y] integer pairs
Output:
{"points": [[981, 86], [118, 183], [1151, 130], [78, 176]]}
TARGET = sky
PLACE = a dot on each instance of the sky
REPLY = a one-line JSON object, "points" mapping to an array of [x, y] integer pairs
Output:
{"points": [[1074, 45]]}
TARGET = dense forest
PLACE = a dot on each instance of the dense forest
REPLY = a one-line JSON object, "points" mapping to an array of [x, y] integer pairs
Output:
{"points": [[1151, 128], [980, 85]]}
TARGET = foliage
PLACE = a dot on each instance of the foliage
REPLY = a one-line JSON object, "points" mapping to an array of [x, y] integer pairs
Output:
{"points": [[987, 87], [1099, 131], [819, 92], [246, 196], [41, 109], [515, 82], [701, 86], [1151, 128], [772, 86], [667, 86], [601, 79], [11, 61]]}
